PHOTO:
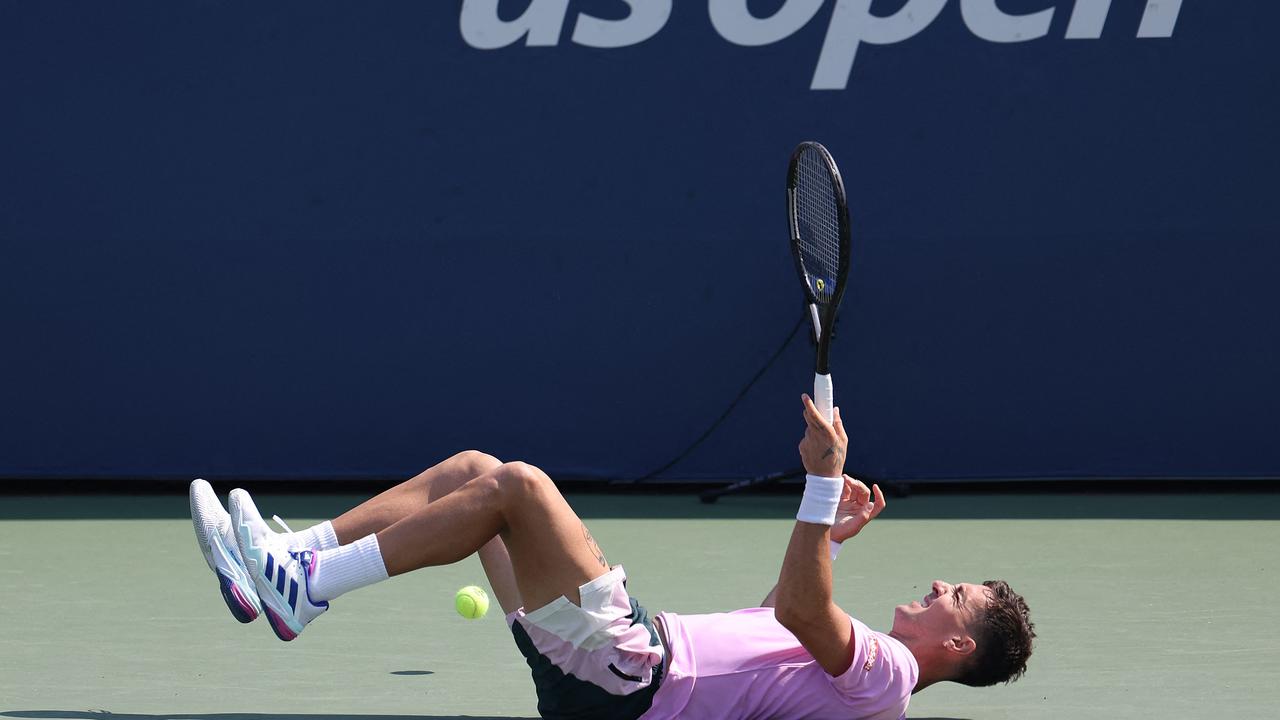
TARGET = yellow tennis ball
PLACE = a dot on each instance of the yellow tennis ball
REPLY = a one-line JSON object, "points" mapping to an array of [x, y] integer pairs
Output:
{"points": [[472, 602]]}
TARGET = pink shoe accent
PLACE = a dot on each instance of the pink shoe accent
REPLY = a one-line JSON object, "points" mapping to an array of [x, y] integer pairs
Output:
{"points": [[280, 627], [244, 601]]}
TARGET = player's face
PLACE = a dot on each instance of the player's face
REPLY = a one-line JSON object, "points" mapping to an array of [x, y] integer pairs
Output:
{"points": [[946, 612]]}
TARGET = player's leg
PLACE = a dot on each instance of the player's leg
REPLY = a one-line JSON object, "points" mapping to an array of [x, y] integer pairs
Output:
{"points": [[388, 507], [514, 501], [218, 544], [591, 650], [551, 551], [393, 505], [349, 536]]}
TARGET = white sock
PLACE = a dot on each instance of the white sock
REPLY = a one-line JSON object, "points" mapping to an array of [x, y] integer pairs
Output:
{"points": [[316, 537], [343, 569]]}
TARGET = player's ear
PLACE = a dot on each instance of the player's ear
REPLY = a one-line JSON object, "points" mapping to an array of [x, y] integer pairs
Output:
{"points": [[961, 644]]}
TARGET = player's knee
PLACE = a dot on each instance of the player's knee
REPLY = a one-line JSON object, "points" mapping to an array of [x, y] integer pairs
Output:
{"points": [[522, 478], [474, 463]]}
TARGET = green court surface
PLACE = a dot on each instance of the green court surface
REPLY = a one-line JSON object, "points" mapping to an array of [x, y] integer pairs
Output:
{"points": [[1147, 606]]}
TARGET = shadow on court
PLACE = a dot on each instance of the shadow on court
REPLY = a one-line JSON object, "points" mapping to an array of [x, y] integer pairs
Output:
{"points": [[1206, 502], [106, 715]]}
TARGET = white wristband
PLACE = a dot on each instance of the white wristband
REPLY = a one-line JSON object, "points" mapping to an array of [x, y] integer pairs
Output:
{"points": [[821, 498], [835, 549]]}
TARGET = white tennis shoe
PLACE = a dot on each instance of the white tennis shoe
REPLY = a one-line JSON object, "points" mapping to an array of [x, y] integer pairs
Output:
{"points": [[218, 545], [280, 573]]}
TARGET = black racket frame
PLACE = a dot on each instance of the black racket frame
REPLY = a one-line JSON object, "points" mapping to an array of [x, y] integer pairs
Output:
{"points": [[826, 310]]}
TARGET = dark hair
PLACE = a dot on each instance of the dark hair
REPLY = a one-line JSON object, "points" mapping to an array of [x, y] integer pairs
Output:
{"points": [[1003, 632]]}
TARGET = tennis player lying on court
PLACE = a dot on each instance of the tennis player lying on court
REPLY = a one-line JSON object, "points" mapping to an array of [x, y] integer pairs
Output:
{"points": [[594, 651]]}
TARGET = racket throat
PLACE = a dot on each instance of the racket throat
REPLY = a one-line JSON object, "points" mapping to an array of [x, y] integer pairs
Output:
{"points": [[817, 322], [823, 321]]}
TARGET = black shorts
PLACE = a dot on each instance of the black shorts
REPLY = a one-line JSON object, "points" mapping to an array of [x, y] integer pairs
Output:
{"points": [[604, 662]]}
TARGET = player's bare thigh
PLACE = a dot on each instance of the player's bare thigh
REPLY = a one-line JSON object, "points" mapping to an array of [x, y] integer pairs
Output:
{"points": [[391, 505], [432, 484], [552, 551]]}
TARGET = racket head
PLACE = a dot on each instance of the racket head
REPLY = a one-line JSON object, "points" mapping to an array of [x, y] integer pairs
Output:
{"points": [[818, 214]]}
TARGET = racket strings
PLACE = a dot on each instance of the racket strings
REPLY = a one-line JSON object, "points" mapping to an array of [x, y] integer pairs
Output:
{"points": [[818, 224]]}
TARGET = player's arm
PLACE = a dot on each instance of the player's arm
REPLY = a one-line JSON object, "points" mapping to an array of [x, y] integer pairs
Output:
{"points": [[804, 604], [803, 597], [857, 508]]}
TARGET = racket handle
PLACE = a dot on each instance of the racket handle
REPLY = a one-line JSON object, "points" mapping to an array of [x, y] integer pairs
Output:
{"points": [[824, 395]]}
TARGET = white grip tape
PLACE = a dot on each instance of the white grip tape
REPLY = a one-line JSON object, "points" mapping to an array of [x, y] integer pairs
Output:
{"points": [[835, 549], [820, 500], [824, 395]]}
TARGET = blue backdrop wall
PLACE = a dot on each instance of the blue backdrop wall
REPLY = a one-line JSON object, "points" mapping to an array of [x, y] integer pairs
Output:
{"points": [[342, 240]]}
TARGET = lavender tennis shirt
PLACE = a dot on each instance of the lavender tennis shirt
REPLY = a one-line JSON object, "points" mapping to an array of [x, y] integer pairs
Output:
{"points": [[745, 665]]}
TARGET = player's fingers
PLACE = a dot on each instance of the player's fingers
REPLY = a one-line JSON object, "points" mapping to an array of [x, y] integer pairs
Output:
{"points": [[838, 424], [880, 503], [860, 492], [810, 412], [812, 417]]}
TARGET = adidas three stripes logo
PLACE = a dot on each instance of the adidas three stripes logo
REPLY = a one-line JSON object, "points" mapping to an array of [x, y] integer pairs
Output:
{"points": [[275, 573]]}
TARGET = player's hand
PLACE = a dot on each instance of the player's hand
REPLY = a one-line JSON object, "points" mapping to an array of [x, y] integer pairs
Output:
{"points": [[857, 508], [824, 443]]}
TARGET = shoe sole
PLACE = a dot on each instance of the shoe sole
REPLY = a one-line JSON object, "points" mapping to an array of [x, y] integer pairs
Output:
{"points": [[240, 607], [279, 626]]}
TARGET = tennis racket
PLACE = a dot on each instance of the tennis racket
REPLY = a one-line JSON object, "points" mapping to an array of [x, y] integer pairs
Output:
{"points": [[819, 218]]}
